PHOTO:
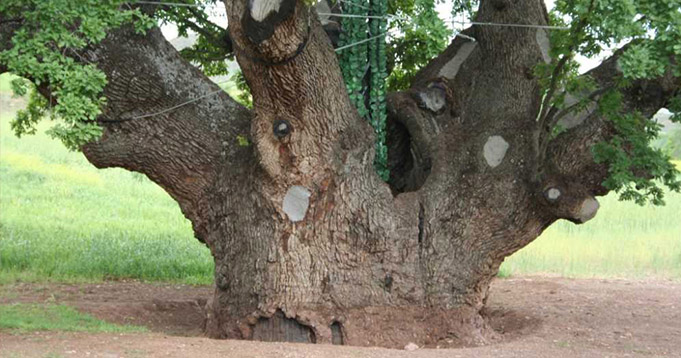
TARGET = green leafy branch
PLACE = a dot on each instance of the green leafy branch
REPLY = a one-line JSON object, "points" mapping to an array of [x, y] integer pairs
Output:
{"points": [[653, 30], [635, 168], [49, 37], [422, 36]]}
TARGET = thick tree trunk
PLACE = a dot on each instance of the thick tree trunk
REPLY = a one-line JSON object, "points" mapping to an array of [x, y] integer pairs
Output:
{"points": [[321, 250], [309, 244]]}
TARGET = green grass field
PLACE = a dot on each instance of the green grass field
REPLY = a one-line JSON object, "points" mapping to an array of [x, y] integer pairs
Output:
{"points": [[623, 240], [63, 220], [22, 318]]}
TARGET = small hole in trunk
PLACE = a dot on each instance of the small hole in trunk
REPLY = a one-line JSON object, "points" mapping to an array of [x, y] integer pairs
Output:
{"points": [[336, 333], [280, 328], [408, 169]]}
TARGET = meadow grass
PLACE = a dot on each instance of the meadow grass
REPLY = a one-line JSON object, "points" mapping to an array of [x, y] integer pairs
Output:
{"points": [[623, 240], [63, 220], [5, 80], [21, 318]]}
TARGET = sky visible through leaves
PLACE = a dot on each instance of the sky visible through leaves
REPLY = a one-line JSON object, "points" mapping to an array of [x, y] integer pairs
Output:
{"points": [[217, 15]]}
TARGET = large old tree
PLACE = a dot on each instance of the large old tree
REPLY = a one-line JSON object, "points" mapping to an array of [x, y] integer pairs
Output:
{"points": [[494, 140]]}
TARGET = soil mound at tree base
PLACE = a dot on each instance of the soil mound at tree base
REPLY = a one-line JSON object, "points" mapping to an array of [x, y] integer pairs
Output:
{"points": [[534, 316]]}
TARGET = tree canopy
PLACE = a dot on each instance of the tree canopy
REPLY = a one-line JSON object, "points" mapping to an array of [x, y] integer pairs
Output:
{"points": [[49, 35]]}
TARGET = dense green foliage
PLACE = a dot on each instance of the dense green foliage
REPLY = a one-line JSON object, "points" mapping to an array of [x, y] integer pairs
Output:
{"points": [[354, 59], [377, 86], [653, 30], [422, 35], [212, 47], [44, 46], [630, 153]]}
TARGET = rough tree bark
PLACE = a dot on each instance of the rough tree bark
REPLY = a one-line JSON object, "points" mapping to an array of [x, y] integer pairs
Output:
{"points": [[309, 244]]}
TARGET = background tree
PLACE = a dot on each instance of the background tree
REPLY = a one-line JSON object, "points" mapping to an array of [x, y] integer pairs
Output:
{"points": [[491, 141]]}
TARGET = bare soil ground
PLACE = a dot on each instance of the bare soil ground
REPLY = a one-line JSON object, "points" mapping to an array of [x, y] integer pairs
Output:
{"points": [[537, 316]]}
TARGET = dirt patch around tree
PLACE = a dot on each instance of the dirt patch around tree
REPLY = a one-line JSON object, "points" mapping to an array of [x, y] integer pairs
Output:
{"points": [[536, 317]]}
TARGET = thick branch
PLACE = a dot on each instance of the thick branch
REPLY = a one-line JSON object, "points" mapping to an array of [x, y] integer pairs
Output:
{"points": [[483, 150], [644, 96], [181, 149], [305, 123], [569, 164]]}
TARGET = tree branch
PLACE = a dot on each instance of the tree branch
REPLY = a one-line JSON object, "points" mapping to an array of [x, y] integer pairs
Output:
{"points": [[182, 149], [557, 71], [569, 165], [296, 83], [223, 41]]}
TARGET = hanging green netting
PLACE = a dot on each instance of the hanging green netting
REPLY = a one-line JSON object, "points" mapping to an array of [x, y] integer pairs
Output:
{"points": [[364, 68]]}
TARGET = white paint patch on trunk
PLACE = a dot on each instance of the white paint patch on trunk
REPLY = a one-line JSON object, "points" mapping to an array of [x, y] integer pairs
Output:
{"points": [[451, 68], [553, 194], [495, 150], [433, 99], [570, 100], [261, 8], [296, 202], [588, 210], [544, 44], [323, 7], [573, 119]]}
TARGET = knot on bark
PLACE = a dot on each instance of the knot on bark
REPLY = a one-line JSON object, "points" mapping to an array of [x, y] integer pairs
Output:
{"points": [[261, 17], [412, 129], [273, 32], [281, 128], [569, 200]]}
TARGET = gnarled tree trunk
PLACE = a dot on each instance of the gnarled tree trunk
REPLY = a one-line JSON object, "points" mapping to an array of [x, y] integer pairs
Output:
{"points": [[309, 244]]}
